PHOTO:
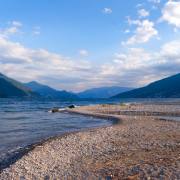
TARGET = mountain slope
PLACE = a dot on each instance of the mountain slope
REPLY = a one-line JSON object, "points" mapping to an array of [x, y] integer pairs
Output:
{"points": [[12, 88], [165, 88], [49, 92], [102, 92]]}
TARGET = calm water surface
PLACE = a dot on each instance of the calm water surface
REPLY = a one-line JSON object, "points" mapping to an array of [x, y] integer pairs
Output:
{"points": [[26, 122]]}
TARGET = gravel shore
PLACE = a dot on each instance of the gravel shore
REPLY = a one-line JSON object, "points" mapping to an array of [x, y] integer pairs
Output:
{"points": [[138, 147]]}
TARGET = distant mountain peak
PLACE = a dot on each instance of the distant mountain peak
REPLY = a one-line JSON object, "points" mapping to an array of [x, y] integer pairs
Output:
{"points": [[49, 92], [102, 92], [12, 88], [165, 88], [1, 74], [33, 82]]}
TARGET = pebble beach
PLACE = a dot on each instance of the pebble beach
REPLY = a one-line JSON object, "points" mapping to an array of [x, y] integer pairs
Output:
{"points": [[140, 145]]}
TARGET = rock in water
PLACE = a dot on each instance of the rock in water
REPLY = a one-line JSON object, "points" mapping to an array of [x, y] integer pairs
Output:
{"points": [[54, 110], [71, 106]]}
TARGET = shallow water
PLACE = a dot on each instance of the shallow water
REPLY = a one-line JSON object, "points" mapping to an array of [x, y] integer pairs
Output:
{"points": [[26, 122]]}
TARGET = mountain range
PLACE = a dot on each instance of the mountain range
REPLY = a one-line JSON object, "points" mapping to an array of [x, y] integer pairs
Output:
{"points": [[48, 92], [102, 92], [12, 88], [166, 88]]}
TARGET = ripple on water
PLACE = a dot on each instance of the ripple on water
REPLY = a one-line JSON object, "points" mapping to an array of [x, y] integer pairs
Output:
{"points": [[25, 123]]}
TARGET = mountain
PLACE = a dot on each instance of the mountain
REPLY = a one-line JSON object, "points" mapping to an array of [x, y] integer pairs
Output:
{"points": [[49, 92], [165, 88], [12, 88], [102, 92]]}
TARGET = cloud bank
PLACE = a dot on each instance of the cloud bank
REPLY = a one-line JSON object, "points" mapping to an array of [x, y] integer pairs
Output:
{"points": [[132, 66], [135, 67]]}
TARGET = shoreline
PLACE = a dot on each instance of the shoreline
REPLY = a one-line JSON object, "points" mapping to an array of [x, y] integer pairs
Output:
{"points": [[23, 151], [108, 137]]}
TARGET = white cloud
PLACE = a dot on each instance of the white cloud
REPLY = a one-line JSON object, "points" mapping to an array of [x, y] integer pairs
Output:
{"points": [[171, 13], [171, 51], [139, 5], [11, 30], [138, 67], [135, 67], [133, 59], [143, 13], [14, 28], [144, 32], [16, 23], [127, 31], [83, 52], [107, 10], [28, 64], [133, 22], [155, 4]]}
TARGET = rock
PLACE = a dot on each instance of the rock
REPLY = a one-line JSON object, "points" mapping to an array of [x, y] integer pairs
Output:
{"points": [[54, 110], [134, 177], [71, 106]]}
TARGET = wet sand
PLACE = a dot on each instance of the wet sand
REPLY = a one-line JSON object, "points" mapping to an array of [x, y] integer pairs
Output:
{"points": [[139, 146]]}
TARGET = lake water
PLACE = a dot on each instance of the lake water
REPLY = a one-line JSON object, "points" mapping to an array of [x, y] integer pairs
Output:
{"points": [[25, 122]]}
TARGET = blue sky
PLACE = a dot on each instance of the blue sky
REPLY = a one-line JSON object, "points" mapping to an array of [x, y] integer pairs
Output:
{"points": [[79, 44]]}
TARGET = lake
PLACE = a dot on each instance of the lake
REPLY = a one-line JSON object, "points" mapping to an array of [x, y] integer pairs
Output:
{"points": [[25, 122]]}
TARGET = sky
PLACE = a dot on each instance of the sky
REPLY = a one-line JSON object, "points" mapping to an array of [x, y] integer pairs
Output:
{"points": [[80, 44]]}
